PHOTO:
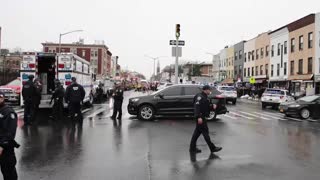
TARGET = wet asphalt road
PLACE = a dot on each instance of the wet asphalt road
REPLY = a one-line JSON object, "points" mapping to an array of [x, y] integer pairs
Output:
{"points": [[257, 145]]}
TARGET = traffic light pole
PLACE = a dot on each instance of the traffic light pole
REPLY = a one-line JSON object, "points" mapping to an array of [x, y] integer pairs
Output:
{"points": [[176, 70]]}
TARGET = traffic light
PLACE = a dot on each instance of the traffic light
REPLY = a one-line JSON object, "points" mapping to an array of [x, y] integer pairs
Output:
{"points": [[177, 30]]}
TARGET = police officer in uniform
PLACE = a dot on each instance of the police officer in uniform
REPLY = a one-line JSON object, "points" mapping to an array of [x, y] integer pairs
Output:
{"points": [[57, 98], [28, 93], [74, 96], [36, 98], [201, 111], [117, 104], [8, 127]]}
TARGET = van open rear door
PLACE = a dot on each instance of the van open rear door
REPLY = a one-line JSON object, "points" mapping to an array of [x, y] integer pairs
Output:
{"points": [[27, 68]]}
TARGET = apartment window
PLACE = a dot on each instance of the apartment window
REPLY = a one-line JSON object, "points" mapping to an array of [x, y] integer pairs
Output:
{"points": [[248, 72], [310, 65], [292, 45], [252, 71], [257, 54], [272, 50], [50, 51], [240, 54], [235, 72], [278, 69], [267, 71], [235, 56], [257, 71], [285, 69], [261, 53], [252, 53], [54, 51], [92, 53], [300, 66], [249, 56], [300, 43], [240, 71], [285, 47], [271, 70], [267, 51], [245, 57], [244, 72], [261, 70], [83, 53], [292, 67], [310, 40], [278, 49]]}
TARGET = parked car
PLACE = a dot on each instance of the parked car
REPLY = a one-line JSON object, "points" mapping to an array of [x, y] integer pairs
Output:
{"points": [[229, 92], [305, 107], [274, 97], [164, 85], [12, 91], [174, 100]]}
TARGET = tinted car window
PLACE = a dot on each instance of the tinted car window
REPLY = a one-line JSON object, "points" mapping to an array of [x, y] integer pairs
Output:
{"points": [[191, 90], [174, 91], [230, 88]]}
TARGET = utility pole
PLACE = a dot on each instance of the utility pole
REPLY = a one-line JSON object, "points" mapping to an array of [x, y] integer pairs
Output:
{"points": [[176, 70], [154, 63]]}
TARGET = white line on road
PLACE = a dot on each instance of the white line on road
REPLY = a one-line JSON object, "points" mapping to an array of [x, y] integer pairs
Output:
{"points": [[85, 110], [236, 114], [293, 119], [96, 113], [274, 114], [229, 116], [255, 116], [275, 117]]}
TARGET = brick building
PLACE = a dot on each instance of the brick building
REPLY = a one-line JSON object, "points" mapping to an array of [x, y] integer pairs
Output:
{"points": [[98, 55], [9, 67]]}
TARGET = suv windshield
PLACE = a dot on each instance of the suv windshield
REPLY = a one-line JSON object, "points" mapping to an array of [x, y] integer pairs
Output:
{"points": [[274, 91], [308, 99], [227, 88]]}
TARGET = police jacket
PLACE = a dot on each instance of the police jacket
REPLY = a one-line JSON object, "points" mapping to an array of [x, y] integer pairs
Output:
{"points": [[28, 90], [58, 93], [118, 94], [8, 127], [201, 105], [75, 93], [37, 94]]}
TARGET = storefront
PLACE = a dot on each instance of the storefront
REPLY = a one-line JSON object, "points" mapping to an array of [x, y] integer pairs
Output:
{"points": [[228, 82], [302, 85], [279, 83], [317, 84]]}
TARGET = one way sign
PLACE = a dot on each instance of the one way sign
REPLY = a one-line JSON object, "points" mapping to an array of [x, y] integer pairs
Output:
{"points": [[174, 42]]}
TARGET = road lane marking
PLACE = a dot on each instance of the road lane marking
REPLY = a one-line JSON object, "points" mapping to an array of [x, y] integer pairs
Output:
{"points": [[275, 114], [293, 119], [229, 116], [255, 116], [275, 117], [236, 114], [96, 113]]}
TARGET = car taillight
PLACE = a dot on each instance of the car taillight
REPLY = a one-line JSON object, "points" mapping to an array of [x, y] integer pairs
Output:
{"points": [[32, 65], [61, 66], [68, 83]]}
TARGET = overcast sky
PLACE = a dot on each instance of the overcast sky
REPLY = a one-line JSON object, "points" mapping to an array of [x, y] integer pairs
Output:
{"points": [[133, 28]]}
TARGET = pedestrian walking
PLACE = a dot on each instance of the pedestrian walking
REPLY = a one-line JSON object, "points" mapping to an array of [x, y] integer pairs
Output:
{"points": [[28, 93], [74, 97], [36, 98], [117, 104], [57, 99], [201, 111], [8, 127], [99, 93]]}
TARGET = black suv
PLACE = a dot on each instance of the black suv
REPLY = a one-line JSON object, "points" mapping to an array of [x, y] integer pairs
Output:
{"points": [[174, 100]]}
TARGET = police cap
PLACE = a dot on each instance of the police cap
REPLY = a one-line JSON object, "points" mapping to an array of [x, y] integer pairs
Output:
{"points": [[206, 87]]}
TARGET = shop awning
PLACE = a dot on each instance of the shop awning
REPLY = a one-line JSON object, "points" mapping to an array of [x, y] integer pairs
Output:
{"points": [[227, 81], [301, 77]]}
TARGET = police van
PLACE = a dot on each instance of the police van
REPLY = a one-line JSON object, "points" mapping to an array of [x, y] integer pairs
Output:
{"points": [[50, 66]]}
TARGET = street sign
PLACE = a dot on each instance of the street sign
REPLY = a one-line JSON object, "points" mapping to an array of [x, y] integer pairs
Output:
{"points": [[252, 80], [174, 52], [174, 42]]}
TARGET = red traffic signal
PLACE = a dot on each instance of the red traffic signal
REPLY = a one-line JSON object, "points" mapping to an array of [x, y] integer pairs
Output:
{"points": [[177, 30]]}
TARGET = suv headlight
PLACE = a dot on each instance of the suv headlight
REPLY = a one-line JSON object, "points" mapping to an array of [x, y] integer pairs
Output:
{"points": [[135, 100], [294, 105]]}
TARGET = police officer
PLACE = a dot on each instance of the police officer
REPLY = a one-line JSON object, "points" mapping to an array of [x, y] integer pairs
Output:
{"points": [[36, 98], [201, 111], [57, 98], [8, 127], [99, 93], [28, 92], [74, 97], [117, 104]]}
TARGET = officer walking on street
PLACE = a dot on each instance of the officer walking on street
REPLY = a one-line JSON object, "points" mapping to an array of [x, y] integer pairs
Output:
{"points": [[36, 98], [28, 93], [57, 98], [8, 127], [201, 111], [117, 104], [74, 97]]}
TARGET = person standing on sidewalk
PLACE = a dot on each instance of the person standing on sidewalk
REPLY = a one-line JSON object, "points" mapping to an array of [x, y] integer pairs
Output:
{"points": [[8, 127], [201, 111]]}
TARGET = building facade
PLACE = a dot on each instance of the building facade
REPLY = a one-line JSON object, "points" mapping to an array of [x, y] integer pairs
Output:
{"points": [[238, 60], [262, 59], [9, 67], [98, 55], [317, 53], [223, 64], [249, 59], [215, 67], [230, 63]]}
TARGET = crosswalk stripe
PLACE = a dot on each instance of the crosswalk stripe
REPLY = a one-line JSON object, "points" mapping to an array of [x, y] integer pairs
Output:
{"points": [[266, 115], [240, 115], [274, 114], [294, 119], [229, 116], [255, 116]]}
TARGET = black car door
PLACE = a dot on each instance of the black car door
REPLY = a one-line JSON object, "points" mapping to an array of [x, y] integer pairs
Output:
{"points": [[189, 93], [315, 108], [168, 101]]}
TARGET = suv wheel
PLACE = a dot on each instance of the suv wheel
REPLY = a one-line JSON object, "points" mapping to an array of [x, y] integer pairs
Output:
{"points": [[305, 113], [212, 116], [146, 112], [263, 105]]}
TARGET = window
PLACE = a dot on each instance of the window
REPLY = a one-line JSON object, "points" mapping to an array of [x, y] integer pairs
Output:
{"points": [[261, 70], [83, 53], [240, 54], [278, 69], [278, 49], [96, 53], [300, 66], [267, 69], [249, 56], [300, 43], [292, 67], [252, 71], [261, 52], [92, 53], [244, 72], [252, 53], [257, 71], [235, 72], [173, 91], [272, 50], [50, 51], [267, 51], [271, 70], [235, 56], [54, 51], [292, 45], [310, 65], [240, 71], [245, 57], [257, 54], [285, 69], [285, 47], [248, 72], [191, 91], [310, 40]]}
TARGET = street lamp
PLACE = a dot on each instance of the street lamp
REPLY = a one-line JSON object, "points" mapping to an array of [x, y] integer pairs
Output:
{"points": [[154, 62], [62, 34]]}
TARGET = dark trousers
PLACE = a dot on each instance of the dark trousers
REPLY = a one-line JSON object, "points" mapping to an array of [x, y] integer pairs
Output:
{"points": [[204, 130], [8, 165], [28, 111], [35, 112], [75, 112], [117, 109], [57, 110]]}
